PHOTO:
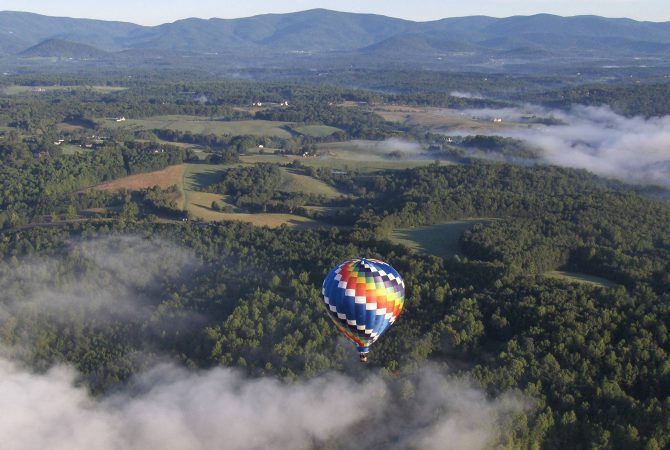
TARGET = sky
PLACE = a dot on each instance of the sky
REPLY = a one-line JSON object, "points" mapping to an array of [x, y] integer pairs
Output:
{"points": [[153, 12]]}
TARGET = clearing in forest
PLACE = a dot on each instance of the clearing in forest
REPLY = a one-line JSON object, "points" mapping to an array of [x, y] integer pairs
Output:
{"points": [[292, 181], [580, 278], [439, 239]]}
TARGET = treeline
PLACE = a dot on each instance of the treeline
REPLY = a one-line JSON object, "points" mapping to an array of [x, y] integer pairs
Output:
{"points": [[250, 186], [647, 99], [357, 123], [141, 157], [444, 89]]}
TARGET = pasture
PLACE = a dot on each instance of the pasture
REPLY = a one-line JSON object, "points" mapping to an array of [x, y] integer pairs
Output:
{"points": [[315, 130], [198, 200], [193, 178], [170, 176], [296, 182], [270, 220], [202, 125], [198, 176], [439, 239], [164, 178], [437, 119], [340, 161], [72, 149]]}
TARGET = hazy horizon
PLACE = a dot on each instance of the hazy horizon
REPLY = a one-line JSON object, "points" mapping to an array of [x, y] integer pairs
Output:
{"points": [[154, 13]]}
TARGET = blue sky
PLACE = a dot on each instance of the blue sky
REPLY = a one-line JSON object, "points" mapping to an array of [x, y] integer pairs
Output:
{"points": [[152, 12]]}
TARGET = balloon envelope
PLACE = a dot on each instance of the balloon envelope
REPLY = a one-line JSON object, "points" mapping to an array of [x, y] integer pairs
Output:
{"points": [[364, 297]]}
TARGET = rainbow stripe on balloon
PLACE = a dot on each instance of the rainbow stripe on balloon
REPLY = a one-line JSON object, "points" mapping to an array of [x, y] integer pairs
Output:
{"points": [[364, 297]]}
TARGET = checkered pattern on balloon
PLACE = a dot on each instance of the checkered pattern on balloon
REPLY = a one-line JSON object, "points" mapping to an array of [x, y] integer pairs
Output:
{"points": [[364, 297]]}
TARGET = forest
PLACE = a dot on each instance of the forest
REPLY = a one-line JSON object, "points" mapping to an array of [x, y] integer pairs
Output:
{"points": [[117, 293]]}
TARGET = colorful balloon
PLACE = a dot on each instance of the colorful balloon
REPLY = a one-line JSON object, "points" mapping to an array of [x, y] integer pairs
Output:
{"points": [[364, 297]]}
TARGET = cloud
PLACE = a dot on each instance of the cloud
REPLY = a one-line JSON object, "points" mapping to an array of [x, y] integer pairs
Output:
{"points": [[462, 94], [176, 410], [632, 149], [113, 277], [401, 147], [171, 408]]}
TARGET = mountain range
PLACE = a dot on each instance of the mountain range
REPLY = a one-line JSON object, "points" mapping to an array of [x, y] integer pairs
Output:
{"points": [[322, 32]]}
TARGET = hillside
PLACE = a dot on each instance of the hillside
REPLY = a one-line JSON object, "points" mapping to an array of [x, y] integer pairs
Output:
{"points": [[322, 31], [62, 49], [35, 28]]}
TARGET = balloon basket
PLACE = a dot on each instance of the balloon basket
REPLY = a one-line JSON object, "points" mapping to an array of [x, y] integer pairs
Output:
{"points": [[363, 357]]}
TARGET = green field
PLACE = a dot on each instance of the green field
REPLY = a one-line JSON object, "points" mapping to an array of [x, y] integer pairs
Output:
{"points": [[439, 240], [198, 176], [202, 125], [16, 89], [296, 182], [362, 165], [581, 278], [316, 130], [72, 149]]}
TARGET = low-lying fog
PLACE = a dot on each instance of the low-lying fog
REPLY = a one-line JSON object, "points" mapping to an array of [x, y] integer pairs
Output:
{"points": [[632, 149], [170, 407]]}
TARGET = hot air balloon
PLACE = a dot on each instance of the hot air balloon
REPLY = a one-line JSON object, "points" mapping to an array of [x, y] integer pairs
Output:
{"points": [[364, 297]]}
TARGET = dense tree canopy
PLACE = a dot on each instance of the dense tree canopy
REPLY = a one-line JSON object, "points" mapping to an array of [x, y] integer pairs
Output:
{"points": [[115, 293]]}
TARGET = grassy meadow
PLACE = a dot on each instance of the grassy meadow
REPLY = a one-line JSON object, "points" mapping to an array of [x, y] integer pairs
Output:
{"points": [[193, 178], [439, 239], [315, 130], [296, 182], [201, 125]]}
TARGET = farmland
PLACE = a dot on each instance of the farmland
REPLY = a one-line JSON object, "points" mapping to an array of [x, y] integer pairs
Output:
{"points": [[170, 176], [482, 303], [315, 130], [360, 165], [198, 176], [296, 182], [165, 178], [200, 125], [262, 219], [437, 119], [191, 179]]}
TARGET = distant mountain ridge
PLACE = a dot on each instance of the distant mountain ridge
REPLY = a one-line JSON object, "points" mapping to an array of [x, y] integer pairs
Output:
{"points": [[322, 31]]}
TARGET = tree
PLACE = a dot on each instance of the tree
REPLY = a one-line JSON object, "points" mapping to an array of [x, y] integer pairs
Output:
{"points": [[129, 212], [71, 212]]}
